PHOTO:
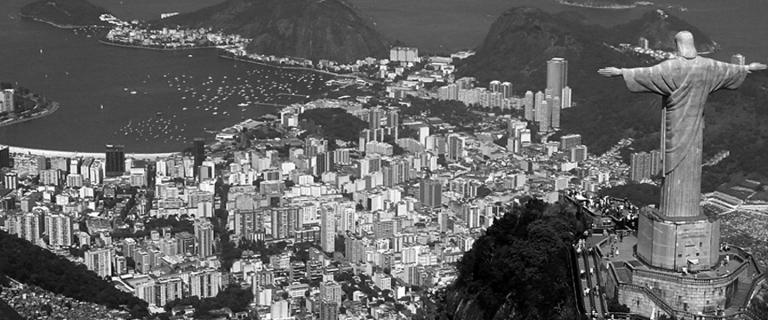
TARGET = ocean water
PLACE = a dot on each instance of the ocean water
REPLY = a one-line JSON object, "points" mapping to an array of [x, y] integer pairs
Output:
{"points": [[150, 101], [148, 97]]}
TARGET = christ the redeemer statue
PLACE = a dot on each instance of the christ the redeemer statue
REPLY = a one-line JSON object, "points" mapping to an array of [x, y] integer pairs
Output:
{"points": [[684, 82]]}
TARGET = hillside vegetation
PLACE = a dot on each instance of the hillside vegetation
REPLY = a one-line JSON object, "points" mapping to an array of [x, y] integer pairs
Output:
{"points": [[522, 39]]}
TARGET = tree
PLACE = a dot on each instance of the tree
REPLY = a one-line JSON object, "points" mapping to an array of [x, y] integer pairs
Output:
{"points": [[520, 265]]}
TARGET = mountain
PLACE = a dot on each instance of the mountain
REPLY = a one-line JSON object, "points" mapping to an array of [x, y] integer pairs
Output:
{"points": [[521, 40], [64, 13], [314, 29], [659, 28]]}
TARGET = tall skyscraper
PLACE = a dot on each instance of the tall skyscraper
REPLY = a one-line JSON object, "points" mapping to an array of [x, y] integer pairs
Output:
{"points": [[555, 106], [529, 104], [59, 230], [204, 283], [543, 112], [565, 98], [204, 238], [5, 157], [11, 180], [644, 165], [506, 89], [6, 101], [431, 193], [115, 157], [494, 86], [557, 80], [327, 230], [455, 147], [198, 151], [99, 261], [557, 75]]}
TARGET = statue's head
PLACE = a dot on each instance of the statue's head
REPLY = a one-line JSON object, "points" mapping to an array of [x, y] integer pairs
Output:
{"points": [[685, 46]]}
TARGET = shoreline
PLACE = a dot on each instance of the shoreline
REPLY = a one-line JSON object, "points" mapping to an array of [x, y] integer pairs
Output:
{"points": [[604, 7], [75, 154], [267, 64], [132, 46], [54, 107], [60, 26]]}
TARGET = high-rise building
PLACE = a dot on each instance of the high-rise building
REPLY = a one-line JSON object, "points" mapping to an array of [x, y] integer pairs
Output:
{"points": [[11, 180], [506, 89], [579, 153], [565, 98], [555, 106], [204, 283], [331, 291], [5, 157], [6, 101], [543, 114], [557, 75], [528, 106], [99, 261], [642, 42], [280, 310], [644, 165], [431, 193], [327, 230], [285, 222], [115, 156], [494, 86], [455, 147], [59, 230], [204, 238], [569, 141], [448, 92], [329, 310], [198, 151]]}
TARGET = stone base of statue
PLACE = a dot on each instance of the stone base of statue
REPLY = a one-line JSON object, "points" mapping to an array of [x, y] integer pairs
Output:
{"points": [[669, 267], [679, 244]]}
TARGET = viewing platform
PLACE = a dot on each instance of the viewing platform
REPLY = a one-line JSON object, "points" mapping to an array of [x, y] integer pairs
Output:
{"points": [[721, 292]]}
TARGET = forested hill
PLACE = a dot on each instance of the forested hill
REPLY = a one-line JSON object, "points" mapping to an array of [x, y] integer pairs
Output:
{"points": [[314, 29], [517, 270], [65, 13], [521, 40], [33, 265]]}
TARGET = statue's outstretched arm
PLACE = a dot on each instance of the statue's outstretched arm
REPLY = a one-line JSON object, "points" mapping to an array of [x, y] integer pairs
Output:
{"points": [[609, 72]]}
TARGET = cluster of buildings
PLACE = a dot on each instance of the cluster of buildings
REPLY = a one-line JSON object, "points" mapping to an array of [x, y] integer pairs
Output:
{"points": [[173, 38], [544, 107], [497, 95]]}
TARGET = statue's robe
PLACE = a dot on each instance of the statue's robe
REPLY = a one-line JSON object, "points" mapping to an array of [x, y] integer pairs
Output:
{"points": [[684, 85]]}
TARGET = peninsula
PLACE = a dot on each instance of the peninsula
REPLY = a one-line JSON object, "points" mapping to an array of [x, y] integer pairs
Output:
{"points": [[64, 14], [18, 104]]}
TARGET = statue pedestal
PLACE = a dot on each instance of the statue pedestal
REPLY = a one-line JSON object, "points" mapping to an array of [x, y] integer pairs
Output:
{"points": [[678, 244], [644, 271]]}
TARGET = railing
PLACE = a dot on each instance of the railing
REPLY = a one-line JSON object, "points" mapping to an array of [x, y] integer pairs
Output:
{"points": [[575, 278], [756, 284], [601, 298], [689, 281]]}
